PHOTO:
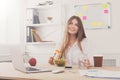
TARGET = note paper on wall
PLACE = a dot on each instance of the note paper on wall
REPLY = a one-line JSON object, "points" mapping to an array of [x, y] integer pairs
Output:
{"points": [[94, 16]]}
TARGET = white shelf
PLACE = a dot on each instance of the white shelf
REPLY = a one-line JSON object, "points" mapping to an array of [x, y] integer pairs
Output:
{"points": [[42, 7], [47, 30], [38, 43], [42, 24]]}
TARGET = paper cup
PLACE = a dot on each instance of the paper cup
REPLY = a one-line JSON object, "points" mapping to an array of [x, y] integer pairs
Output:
{"points": [[98, 60]]}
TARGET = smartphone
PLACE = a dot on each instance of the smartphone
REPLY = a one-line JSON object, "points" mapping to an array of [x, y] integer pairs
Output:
{"points": [[68, 67]]}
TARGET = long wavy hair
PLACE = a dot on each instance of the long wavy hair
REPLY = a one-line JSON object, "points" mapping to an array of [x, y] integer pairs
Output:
{"points": [[79, 36]]}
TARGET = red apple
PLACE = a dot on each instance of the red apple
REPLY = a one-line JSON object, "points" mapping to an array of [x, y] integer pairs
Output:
{"points": [[32, 61]]}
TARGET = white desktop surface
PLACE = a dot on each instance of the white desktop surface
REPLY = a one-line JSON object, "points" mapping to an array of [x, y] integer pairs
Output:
{"points": [[7, 71]]}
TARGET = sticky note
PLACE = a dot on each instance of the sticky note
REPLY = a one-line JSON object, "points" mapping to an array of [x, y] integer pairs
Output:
{"points": [[84, 7], [82, 22], [79, 14], [84, 17], [104, 6], [93, 24], [99, 23], [106, 11]]}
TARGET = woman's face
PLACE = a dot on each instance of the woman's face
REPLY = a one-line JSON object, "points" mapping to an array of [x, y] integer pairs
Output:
{"points": [[73, 27]]}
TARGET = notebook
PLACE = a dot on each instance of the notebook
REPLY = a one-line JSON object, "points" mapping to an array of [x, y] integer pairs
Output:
{"points": [[18, 61]]}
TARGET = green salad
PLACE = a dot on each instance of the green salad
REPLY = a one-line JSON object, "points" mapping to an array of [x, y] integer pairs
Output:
{"points": [[59, 62]]}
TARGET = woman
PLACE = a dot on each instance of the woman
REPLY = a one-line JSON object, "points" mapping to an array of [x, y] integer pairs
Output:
{"points": [[74, 47]]}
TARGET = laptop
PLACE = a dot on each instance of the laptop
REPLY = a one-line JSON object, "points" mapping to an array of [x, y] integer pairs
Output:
{"points": [[18, 61]]}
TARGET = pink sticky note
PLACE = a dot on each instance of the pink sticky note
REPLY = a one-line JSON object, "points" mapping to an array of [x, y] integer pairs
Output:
{"points": [[106, 11], [84, 17]]}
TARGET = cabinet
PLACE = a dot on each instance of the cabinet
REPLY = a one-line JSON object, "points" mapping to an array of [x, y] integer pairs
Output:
{"points": [[47, 22]]}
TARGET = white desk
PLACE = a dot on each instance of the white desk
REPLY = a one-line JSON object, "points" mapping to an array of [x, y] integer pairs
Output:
{"points": [[8, 72]]}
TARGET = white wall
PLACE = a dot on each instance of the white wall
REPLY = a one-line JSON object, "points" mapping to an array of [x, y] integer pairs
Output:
{"points": [[3, 17], [11, 21], [15, 20], [104, 40]]}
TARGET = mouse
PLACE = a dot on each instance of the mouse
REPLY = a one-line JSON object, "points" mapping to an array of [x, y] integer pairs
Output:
{"points": [[57, 71]]}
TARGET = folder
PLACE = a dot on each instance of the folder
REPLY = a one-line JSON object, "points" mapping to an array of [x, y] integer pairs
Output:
{"points": [[95, 73]]}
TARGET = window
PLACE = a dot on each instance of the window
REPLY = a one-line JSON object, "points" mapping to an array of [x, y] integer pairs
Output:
{"points": [[11, 19], [3, 21]]}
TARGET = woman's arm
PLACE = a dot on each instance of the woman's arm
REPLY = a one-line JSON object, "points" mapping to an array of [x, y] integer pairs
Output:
{"points": [[51, 61], [56, 56], [87, 51], [87, 64]]}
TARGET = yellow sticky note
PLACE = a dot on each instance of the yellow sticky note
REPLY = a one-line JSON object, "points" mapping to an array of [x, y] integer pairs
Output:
{"points": [[99, 23], [104, 6], [84, 7], [79, 14], [93, 24], [82, 22]]}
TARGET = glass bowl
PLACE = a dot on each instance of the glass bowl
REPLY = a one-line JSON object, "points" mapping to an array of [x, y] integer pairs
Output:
{"points": [[59, 62]]}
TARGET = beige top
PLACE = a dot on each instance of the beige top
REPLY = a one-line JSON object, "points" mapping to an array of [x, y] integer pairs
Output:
{"points": [[74, 54]]}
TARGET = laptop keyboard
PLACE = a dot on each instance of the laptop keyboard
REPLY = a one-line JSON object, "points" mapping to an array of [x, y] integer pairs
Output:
{"points": [[31, 69]]}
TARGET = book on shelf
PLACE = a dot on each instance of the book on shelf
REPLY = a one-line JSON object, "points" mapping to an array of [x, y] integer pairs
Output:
{"points": [[33, 36], [32, 39], [29, 16], [36, 37], [36, 19], [30, 34], [33, 16]]}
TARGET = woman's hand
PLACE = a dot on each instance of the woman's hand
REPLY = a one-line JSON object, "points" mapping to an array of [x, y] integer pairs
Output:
{"points": [[87, 63], [51, 61]]}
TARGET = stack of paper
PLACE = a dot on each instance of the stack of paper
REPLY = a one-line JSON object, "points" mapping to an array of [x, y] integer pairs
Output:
{"points": [[100, 73]]}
